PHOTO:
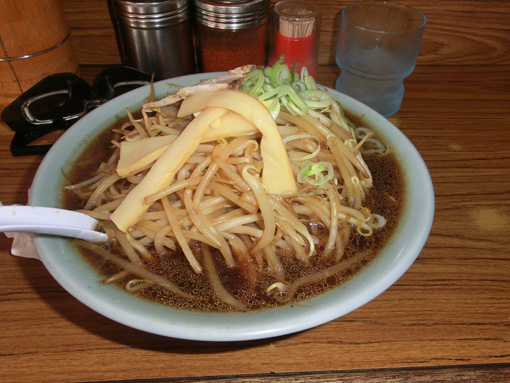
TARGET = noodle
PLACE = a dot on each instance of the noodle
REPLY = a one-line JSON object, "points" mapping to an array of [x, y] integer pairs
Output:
{"points": [[180, 236], [216, 282]]}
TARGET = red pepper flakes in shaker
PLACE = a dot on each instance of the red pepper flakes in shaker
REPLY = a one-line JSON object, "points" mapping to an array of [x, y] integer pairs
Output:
{"points": [[295, 34], [231, 33]]}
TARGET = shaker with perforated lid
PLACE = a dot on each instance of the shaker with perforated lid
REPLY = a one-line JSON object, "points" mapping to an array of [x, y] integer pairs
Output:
{"points": [[156, 36], [295, 26], [231, 33]]}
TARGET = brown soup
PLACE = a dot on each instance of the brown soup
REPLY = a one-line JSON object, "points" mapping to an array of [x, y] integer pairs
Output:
{"points": [[386, 198]]}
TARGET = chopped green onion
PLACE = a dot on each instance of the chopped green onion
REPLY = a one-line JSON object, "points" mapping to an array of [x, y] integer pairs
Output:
{"points": [[315, 99], [302, 108], [310, 82], [376, 221], [298, 85], [300, 136], [373, 146], [313, 173], [253, 85], [350, 143], [304, 73], [278, 85], [361, 132], [280, 75]]}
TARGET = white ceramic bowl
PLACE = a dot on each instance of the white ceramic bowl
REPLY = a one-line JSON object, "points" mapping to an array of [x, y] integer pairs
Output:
{"points": [[80, 280]]}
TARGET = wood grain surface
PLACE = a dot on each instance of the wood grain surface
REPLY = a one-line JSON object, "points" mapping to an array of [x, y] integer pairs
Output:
{"points": [[446, 320]]}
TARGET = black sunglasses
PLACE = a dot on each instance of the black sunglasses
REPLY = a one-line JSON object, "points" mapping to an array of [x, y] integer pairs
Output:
{"points": [[59, 100]]}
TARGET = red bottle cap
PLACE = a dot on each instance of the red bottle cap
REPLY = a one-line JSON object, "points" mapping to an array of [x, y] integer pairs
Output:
{"points": [[296, 50]]}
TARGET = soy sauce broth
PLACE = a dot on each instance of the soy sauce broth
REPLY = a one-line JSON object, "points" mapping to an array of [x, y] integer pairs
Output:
{"points": [[386, 198]]}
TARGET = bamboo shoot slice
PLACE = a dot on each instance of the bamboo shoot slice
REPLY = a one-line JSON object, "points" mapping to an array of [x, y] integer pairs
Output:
{"points": [[277, 174], [164, 169], [135, 155]]}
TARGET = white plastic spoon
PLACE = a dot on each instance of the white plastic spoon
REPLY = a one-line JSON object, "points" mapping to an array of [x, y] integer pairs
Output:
{"points": [[49, 220]]}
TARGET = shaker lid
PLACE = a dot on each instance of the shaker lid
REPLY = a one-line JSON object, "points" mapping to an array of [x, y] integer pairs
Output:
{"points": [[150, 7], [151, 13], [232, 14]]}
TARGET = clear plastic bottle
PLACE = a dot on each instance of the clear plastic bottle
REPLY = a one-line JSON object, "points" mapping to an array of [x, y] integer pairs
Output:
{"points": [[295, 26]]}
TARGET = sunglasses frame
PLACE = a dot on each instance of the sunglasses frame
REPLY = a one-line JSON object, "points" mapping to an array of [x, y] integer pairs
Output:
{"points": [[28, 127]]}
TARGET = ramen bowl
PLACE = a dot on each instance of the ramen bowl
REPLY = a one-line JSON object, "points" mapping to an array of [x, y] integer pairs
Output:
{"points": [[73, 272]]}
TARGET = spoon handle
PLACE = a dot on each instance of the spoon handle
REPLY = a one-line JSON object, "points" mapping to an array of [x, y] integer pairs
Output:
{"points": [[49, 220]]}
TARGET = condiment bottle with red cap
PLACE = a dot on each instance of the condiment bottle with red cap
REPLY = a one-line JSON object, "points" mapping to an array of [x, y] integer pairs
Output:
{"points": [[295, 26]]}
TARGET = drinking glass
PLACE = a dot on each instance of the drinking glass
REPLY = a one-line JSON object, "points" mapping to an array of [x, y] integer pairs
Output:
{"points": [[377, 49]]}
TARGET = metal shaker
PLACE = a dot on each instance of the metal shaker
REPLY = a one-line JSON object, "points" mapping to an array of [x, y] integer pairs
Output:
{"points": [[156, 36]]}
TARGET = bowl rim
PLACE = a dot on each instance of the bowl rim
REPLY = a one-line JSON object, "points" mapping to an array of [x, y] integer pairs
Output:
{"points": [[76, 276]]}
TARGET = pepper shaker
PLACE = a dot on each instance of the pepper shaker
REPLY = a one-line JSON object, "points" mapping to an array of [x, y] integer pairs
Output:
{"points": [[156, 36], [231, 33]]}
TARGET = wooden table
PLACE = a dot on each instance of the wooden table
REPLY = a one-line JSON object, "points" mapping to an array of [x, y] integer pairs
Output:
{"points": [[446, 320]]}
